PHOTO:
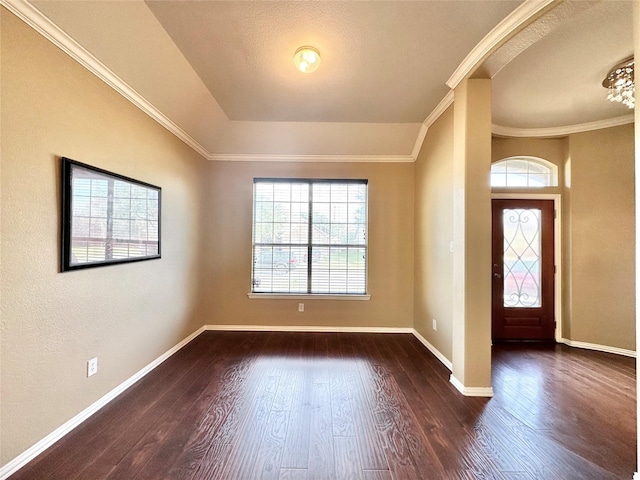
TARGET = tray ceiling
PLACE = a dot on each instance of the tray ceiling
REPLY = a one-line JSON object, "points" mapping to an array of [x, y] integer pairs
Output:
{"points": [[220, 73]]}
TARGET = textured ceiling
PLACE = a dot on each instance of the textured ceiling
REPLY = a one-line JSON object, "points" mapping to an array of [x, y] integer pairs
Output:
{"points": [[381, 61], [221, 72], [557, 81]]}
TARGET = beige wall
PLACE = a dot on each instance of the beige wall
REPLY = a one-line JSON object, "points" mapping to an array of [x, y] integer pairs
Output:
{"points": [[551, 149], [554, 150], [602, 242], [433, 274], [228, 267], [126, 315], [596, 181]]}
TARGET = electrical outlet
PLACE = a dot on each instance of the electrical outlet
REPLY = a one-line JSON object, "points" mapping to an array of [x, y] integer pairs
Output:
{"points": [[92, 367], [301, 307], [435, 324]]}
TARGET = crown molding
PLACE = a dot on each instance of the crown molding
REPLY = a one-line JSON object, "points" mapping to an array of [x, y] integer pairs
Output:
{"points": [[445, 103], [338, 158], [561, 131], [417, 146], [501, 32], [43, 25]]}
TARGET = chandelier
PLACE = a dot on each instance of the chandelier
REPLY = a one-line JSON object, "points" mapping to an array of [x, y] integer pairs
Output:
{"points": [[620, 83]]}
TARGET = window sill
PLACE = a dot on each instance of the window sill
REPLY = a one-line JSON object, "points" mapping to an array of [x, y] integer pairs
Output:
{"points": [[302, 296]]}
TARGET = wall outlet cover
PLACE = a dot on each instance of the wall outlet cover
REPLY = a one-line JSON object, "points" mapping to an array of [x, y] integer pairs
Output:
{"points": [[92, 367]]}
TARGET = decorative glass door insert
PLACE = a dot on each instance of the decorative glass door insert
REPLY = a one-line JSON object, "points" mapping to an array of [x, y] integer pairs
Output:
{"points": [[522, 255], [522, 249]]}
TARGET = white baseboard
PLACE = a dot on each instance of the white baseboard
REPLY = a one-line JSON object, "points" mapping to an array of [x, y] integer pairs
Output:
{"points": [[29, 454], [25, 457], [436, 353], [636, 476], [308, 328], [466, 391], [599, 348], [297, 328], [35, 450], [471, 391]]}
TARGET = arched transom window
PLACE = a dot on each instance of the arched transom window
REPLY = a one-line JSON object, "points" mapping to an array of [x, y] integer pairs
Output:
{"points": [[527, 172]]}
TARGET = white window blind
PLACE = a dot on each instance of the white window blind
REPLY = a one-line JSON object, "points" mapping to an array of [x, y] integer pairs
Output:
{"points": [[309, 236], [112, 219]]}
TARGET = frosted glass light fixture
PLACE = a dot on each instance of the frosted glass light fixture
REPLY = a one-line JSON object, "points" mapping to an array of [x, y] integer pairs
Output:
{"points": [[620, 83], [307, 59]]}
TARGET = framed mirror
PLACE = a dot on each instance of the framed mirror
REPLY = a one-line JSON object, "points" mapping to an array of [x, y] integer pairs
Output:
{"points": [[107, 218]]}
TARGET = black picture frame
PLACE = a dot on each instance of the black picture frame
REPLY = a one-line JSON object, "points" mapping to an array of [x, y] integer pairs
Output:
{"points": [[107, 218]]}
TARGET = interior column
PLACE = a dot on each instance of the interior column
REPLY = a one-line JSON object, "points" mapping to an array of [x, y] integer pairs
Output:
{"points": [[472, 238]]}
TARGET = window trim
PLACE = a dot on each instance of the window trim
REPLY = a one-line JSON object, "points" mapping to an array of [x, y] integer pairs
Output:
{"points": [[309, 295], [554, 172], [72, 170]]}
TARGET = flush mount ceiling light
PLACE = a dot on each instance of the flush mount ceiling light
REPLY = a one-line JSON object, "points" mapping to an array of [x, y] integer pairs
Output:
{"points": [[620, 83], [307, 59]]}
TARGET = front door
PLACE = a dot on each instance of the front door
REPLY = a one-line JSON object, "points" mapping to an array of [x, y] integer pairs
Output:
{"points": [[523, 270]]}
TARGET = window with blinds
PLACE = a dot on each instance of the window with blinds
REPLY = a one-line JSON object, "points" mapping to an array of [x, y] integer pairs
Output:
{"points": [[309, 236]]}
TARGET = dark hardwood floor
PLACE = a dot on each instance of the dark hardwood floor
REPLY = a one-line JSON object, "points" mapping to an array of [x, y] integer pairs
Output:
{"points": [[294, 406]]}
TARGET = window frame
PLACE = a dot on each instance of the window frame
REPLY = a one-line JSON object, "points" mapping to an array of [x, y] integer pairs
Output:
{"points": [[552, 171], [108, 240], [309, 244]]}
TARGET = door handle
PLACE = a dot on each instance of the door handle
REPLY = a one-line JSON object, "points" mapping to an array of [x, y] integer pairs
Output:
{"points": [[497, 275]]}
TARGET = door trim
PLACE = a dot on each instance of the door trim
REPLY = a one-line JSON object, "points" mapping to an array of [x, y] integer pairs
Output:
{"points": [[557, 243]]}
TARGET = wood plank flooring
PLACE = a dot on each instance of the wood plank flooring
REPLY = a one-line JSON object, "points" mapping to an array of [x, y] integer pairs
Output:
{"points": [[306, 406]]}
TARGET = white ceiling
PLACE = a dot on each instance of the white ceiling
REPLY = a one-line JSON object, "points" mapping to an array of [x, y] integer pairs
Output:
{"points": [[557, 81], [382, 62], [220, 73]]}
